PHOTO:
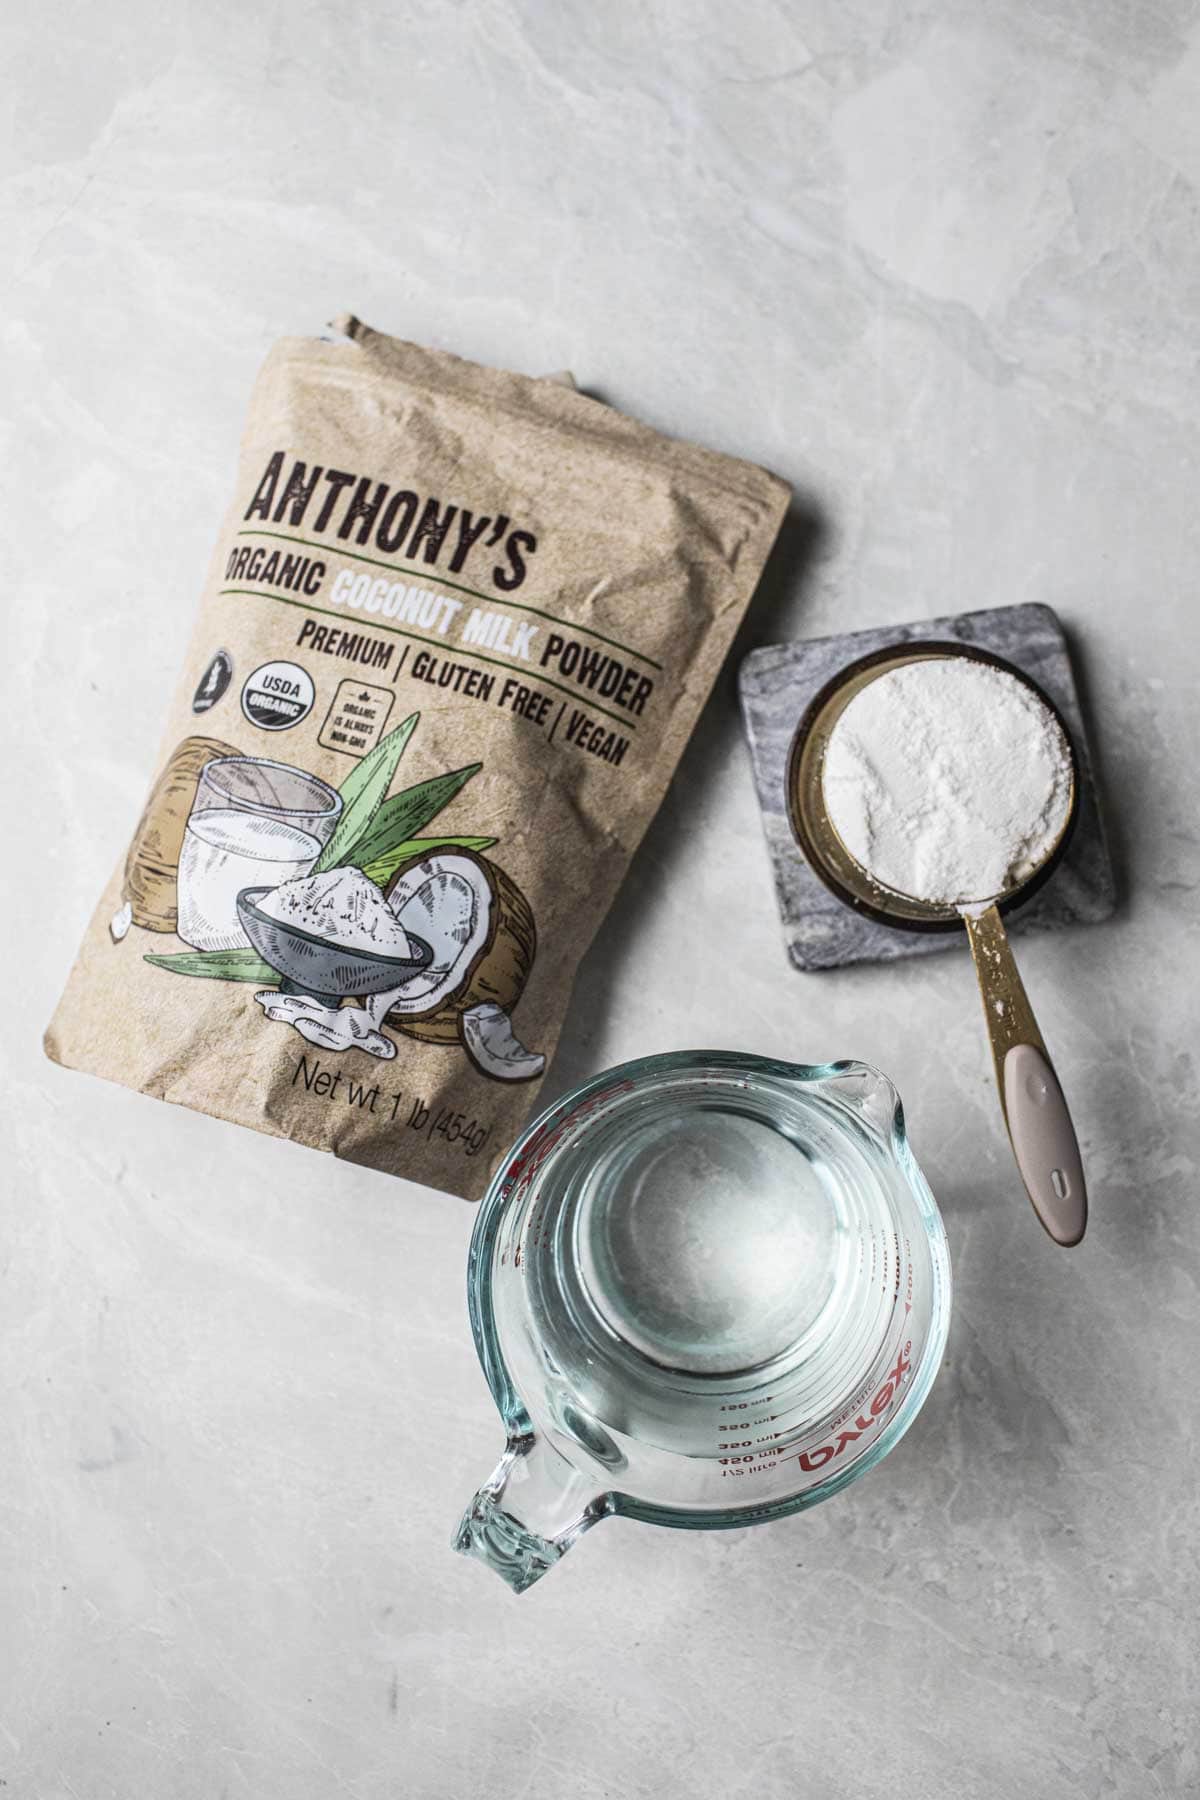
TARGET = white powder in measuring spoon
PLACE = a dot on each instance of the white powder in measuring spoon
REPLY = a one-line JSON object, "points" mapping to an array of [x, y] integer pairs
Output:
{"points": [[947, 780]]}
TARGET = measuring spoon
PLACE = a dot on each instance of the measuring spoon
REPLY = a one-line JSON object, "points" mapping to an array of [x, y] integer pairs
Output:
{"points": [[1035, 1110]]}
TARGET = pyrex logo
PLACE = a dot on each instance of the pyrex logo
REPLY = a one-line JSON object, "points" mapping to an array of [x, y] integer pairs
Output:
{"points": [[811, 1460]]}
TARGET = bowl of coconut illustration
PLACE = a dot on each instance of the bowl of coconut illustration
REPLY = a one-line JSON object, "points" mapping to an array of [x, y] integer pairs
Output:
{"points": [[441, 954], [331, 937]]}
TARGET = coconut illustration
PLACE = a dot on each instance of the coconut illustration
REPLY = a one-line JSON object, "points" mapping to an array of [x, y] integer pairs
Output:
{"points": [[153, 859], [424, 936], [483, 937]]}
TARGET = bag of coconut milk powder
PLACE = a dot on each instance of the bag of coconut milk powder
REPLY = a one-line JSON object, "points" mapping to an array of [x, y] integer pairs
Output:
{"points": [[455, 633]]}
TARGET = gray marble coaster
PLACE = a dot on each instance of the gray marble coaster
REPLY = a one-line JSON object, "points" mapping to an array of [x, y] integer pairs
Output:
{"points": [[777, 683]]}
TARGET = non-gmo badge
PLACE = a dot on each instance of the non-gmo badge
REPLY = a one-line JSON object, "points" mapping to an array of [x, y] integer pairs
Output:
{"points": [[278, 696]]}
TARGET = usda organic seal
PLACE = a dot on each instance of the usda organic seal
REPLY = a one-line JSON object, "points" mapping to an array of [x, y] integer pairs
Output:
{"points": [[278, 695]]}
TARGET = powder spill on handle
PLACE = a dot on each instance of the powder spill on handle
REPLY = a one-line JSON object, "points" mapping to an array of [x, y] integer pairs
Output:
{"points": [[947, 780]]}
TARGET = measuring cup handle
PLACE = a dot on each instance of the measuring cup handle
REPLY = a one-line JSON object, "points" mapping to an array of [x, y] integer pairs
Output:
{"points": [[525, 1519]]}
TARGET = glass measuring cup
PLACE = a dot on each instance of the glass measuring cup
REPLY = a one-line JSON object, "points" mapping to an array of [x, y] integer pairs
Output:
{"points": [[1035, 1111], [707, 1290], [253, 823]]}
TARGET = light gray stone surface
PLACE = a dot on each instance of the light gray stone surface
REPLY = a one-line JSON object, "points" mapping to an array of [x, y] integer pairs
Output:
{"points": [[940, 265]]}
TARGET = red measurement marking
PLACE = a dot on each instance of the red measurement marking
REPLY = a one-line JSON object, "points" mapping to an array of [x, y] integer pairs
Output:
{"points": [[811, 1460], [531, 1158]]}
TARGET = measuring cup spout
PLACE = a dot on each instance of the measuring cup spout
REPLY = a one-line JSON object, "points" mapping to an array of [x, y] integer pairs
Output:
{"points": [[866, 1091], [527, 1516]]}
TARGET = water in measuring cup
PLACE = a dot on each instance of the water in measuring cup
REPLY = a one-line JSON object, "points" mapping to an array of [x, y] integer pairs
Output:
{"points": [[716, 1245], [708, 1240], [224, 851]]}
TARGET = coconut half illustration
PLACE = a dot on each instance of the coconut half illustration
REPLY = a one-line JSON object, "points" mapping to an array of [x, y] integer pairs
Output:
{"points": [[481, 929]]}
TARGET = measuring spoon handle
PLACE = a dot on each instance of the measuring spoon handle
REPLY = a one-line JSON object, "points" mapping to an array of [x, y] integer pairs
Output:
{"points": [[1035, 1109]]}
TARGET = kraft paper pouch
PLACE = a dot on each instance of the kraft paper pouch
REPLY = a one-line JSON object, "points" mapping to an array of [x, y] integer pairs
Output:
{"points": [[456, 631]]}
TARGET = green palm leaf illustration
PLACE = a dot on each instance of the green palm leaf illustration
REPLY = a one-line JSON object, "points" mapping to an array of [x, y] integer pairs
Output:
{"points": [[362, 796]]}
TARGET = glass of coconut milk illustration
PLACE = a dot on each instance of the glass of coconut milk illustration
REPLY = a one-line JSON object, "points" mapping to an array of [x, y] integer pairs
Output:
{"points": [[253, 823]]}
